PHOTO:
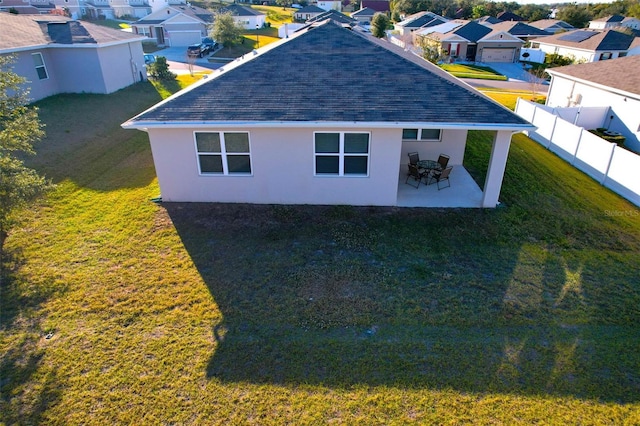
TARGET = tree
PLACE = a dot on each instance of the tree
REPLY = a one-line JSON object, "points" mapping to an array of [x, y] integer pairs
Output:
{"points": [[160, 69], [225, 30], [576, 15], [20, 128], [379, 24]]}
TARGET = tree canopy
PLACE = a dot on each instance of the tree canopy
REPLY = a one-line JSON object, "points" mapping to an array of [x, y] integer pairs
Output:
{"points": [[379, 24], [225, 30], [20, 128]]}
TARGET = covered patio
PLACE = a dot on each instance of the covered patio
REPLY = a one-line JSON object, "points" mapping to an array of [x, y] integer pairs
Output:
{"points": [[464, 191]]}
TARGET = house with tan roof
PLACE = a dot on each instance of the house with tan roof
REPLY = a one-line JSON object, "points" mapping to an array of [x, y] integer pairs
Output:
{"points": [[588, 45], [552, 26], [603, 83], [231, 139], [60, 55]]}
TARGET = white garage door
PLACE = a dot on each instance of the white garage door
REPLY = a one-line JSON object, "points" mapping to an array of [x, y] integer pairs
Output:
{"points": [[498, 55], [184, 38]]}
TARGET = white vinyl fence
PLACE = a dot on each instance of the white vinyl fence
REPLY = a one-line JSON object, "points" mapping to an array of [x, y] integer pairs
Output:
{"points": [[612, 166]]}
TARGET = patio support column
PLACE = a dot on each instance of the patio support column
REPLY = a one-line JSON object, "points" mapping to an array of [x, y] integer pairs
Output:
{"points": [[497, 165]]}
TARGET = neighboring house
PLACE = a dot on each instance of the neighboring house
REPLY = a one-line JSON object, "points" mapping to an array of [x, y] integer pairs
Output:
{"points": [[488, 20], [327, 5], [587, 45], [604, 83], [470, 41], [307, 13], [633, 23], [180, 25], [335, 16], [606, 22], [552, 26], [130, 8], [509, 16], [29, 7], [335, 137], [417, 21], [363, 16], [521, 30], [59, 55], [377, 5], [246, 17]]}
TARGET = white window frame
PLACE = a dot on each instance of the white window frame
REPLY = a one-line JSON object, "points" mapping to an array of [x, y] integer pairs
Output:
{"points": [[420, 137], [341, 155], [43, 66], [223, 153]]}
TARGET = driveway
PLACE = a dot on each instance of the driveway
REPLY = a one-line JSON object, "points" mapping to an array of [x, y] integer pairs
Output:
{"points": [[179, 62], [514, 71]]}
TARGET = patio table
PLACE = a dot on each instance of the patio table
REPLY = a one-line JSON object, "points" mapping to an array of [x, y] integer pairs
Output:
{"points": [[429, 165]]}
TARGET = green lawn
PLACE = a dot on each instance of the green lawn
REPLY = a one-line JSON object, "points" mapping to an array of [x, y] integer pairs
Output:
{"points": [[472, 71], [509, 98], [258, 314]]}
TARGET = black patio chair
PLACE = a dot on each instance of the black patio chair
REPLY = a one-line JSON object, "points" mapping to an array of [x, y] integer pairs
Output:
{"points": [[415, 175], [438, 176], [414, 157], [443, 160]]}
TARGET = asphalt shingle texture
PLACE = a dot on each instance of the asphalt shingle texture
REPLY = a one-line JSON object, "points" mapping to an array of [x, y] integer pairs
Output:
{"points": [[330, 74]]}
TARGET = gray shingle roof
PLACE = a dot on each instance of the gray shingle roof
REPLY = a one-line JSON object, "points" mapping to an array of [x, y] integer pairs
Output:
{"points": [[331, 74], [472, 31], [598, 40], [238, 10]]}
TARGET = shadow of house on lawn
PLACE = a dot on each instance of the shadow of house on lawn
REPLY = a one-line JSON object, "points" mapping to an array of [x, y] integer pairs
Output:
{"points": [[342, 296]]}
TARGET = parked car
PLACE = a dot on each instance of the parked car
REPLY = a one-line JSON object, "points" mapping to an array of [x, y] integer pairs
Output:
{"points": [[210, 43], [198, 50], [149, 59]]}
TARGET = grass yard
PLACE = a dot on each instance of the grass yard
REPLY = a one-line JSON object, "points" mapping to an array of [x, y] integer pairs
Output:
{"points": [[276, 15], [117, 310], [509, 97], [473, 71]]}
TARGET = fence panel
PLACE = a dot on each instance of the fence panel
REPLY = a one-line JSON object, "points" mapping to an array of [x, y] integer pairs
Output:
{"points": [[614, 167], [594, 155], [624, 175], [565, 139]]}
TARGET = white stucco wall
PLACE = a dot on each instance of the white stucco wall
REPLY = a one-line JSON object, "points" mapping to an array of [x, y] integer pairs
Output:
{"points": [[578, 54], [283, 168], [626, 119], [452, 144]]}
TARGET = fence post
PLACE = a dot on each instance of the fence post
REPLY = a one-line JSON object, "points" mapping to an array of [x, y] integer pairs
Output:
{"points": [[553, 130], [575, 154], [606, 173]]}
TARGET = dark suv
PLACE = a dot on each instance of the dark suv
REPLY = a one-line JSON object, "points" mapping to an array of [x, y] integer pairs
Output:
{"points": [[198, 50], [210, 43]]}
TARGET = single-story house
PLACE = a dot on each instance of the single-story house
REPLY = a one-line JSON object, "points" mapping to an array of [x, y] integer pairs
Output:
{"points": [[335, 16], [339, 136], [246, 17], [611, 83], [364, 15], [179, 25], [327, 5], [60, 55], [521, 30], [377, 5], [417, 21], [552, 26], [470, 41], [488, 20], [30, 7], [587, 45], [611, 21], [307, 12], [509, 16]]}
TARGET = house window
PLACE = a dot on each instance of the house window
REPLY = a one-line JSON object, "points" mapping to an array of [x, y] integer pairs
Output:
{"points": [[622, 54], [341, 154], [604, 56], [421, 134], [38, 61], [225, 153]]}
